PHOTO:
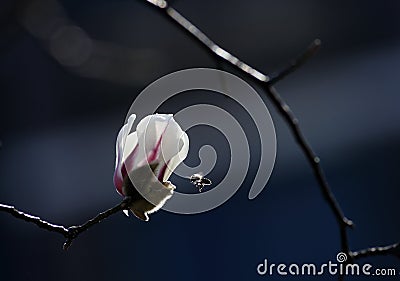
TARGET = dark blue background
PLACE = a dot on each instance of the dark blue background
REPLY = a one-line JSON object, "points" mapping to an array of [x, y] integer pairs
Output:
{"points": [[65, 93]]}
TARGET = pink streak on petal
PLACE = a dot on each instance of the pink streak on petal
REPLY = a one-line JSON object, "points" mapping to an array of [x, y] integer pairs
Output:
{"points": [[162, 172], [123, 171], [118, 182], [154, 152], [126, 166], [121, 180], [120, 145]]}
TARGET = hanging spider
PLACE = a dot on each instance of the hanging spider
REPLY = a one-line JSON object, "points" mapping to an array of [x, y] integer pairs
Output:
{"points": [[199, 181]]}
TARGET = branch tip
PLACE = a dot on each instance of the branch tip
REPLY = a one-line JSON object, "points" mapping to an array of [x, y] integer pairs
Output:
{"points": [[311, 50], [393, 249]]}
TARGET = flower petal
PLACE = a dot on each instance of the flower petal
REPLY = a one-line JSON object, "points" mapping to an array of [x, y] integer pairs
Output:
{"points": [[130, 151], [161, 140], [177, 159], [150, 131], [145, 182], [171, 142], [120, 145]]}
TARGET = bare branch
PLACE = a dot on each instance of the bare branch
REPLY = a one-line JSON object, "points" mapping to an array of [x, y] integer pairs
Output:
{"points": [[181, 21], [69, 233], [393, 249], [35, 220], [74, 231], [298, 62]]}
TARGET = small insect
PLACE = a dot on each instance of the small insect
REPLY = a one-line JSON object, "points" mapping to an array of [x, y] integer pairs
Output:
{"points": [[199, 181]]}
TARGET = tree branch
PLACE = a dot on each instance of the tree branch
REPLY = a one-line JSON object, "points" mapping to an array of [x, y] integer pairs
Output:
{"points": [[206, 42], [297, 63], [69, 233], [35, 220], [393, 249]]}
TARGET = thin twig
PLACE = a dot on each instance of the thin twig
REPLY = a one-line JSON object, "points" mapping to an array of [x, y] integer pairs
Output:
{"points": [[393, 249], [174, 15], [74, 231], [69, 233], [35, 220], [298, 62]]}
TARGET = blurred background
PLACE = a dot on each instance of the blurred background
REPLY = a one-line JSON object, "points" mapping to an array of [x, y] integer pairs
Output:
{"points": [[69, 71]]}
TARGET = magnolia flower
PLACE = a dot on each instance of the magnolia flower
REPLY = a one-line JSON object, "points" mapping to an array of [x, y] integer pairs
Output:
{"points": [[146, 158]]}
